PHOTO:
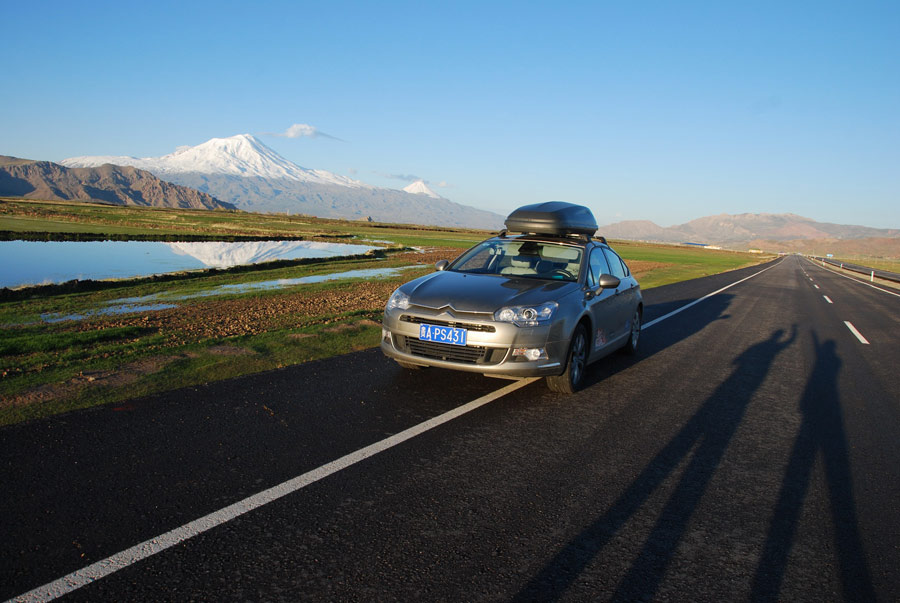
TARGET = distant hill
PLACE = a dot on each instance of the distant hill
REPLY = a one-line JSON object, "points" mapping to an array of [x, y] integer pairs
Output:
{"points": [[118, 185], [841, 248], [743, 228], [244, 171]]}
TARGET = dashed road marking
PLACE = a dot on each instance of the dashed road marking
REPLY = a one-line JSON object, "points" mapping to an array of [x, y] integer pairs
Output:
{"points": [[856, 280], [855, 332], [828, 299]]}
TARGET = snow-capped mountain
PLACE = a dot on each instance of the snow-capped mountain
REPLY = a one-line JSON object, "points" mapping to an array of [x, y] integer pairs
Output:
{"points": [[420, 188], [242, 155], [243, 171]]}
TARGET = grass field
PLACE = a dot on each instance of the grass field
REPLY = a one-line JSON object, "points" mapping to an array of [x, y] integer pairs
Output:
{"points": [[47, 368], [681, 263]]}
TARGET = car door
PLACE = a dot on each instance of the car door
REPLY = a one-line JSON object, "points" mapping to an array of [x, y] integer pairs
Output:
{"points": [[625, 292], [602, 303]]}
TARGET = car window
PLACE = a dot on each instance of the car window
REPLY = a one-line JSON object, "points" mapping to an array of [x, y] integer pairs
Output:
{"points": [[616, 265], [517, 258], [624, 265], [597, 266], [478, 259]]}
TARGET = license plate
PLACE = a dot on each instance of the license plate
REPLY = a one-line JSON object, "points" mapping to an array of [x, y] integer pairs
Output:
{"points": [[438, 334]]}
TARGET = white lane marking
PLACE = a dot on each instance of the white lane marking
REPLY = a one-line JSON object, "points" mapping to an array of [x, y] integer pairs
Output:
{"points": [[114, 563], [856, 280], [855, 332], [697, 301], [816, 286], [828, 299]]}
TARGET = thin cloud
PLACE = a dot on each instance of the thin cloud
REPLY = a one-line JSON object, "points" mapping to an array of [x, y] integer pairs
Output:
{"points": [[403, 177], [302, 131]]}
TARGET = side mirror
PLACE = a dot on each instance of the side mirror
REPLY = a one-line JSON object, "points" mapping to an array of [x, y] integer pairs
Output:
{"points": [[441, 265], [608, 281]]}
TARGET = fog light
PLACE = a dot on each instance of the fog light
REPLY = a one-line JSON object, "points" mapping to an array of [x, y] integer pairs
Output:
{"points": [[385, 334], [531, 353]]}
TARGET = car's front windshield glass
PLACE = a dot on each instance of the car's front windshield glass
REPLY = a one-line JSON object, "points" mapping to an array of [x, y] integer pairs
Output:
{"points": [[522, 258]]}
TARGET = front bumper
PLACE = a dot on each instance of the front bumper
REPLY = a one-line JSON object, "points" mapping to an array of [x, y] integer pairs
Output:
{"points": [[488, 350]]}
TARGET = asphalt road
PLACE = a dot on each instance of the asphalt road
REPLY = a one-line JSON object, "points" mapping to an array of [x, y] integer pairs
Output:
{"points": [[750, 451]]}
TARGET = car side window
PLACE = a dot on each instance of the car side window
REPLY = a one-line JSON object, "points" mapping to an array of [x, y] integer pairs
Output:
{"points": [[616, 265], [478, 260], [597, 266]]}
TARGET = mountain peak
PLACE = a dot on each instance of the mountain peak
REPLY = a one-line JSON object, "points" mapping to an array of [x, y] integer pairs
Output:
{"points": [[420, 188], [241, 155], [238, 142]]}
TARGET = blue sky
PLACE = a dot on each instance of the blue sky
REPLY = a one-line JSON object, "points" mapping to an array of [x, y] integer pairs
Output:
{"points": [[662, 111]]}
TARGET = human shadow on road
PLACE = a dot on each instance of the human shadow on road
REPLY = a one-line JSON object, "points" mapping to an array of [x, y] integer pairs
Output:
{"points": [[701, 443], [821, 433]]}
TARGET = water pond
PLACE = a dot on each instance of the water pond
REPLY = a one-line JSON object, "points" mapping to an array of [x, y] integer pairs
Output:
{"points": [[36, 262]]}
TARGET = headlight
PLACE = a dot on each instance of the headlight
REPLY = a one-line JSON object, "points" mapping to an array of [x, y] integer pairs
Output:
{"points": [[527, 316], [398, 301]]}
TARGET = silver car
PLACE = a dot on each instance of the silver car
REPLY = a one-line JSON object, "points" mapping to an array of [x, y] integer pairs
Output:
{"points": [[546, 302]]}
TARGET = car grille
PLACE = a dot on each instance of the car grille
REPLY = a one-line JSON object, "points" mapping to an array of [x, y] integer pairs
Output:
{"points": [[447, 323], [445, 351]]}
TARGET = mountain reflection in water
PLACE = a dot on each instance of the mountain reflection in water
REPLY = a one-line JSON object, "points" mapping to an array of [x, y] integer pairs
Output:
{"points": [[226, 255], [45, 262]]}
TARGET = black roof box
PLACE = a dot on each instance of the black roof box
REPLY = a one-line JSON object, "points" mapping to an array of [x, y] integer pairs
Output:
{"points": [[552, 217]]}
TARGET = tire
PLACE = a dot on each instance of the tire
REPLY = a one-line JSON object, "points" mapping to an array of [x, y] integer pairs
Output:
{"points": [[631, 346], [576, 362], [410, 367]]}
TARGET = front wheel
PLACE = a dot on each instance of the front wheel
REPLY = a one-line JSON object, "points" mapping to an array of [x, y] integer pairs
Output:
{"points": [[631, 345], [573, 377]]}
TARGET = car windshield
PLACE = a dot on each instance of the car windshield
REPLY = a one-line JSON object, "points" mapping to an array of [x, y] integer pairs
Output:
{"points": [[518, 258]]}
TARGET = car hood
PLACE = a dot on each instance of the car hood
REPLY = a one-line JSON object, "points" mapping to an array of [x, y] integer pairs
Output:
{"points": [[482, 292]]}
